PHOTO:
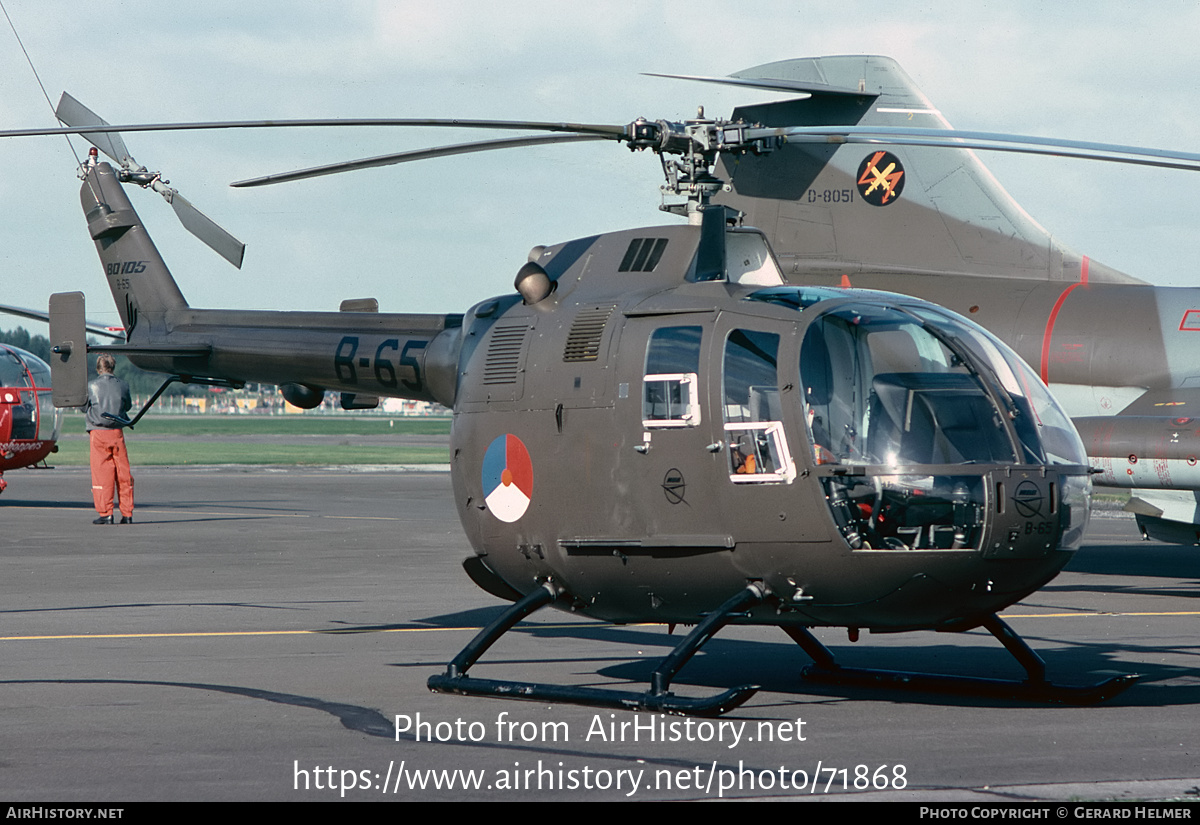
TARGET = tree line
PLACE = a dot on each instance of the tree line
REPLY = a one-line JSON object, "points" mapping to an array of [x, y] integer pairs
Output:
{"points": [[141, 382]]}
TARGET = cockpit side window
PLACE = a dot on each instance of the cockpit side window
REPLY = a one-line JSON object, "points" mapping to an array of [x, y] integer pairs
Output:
{"points": [[758, 450], [671, 387], [12, 370]]}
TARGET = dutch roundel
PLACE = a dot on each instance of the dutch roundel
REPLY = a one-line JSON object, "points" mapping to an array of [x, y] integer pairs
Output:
{"points": [[507, 478]]}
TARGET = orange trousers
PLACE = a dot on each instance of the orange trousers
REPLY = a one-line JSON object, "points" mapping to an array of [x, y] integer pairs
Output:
{"points": [[110, 471]]}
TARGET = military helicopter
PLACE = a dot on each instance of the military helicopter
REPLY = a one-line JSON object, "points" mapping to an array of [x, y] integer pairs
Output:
{"points": [[657, 426]]}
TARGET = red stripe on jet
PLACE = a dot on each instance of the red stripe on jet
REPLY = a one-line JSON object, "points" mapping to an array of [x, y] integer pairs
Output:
{"points": [[1083, 279]]}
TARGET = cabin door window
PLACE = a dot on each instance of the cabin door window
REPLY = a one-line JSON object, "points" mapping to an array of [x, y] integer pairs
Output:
{"points": [[671, 387], [757, 447]]}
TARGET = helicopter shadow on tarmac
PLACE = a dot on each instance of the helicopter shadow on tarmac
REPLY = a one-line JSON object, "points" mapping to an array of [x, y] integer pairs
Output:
{"points": [[352, 717], [777, 666]]}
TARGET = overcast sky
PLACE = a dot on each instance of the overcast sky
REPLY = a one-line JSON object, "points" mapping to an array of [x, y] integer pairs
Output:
{"points": [[440, 235]]}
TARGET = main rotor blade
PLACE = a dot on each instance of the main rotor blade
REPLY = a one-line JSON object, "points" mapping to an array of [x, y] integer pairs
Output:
{"points": [[994, 141], [415, 154], [609, 131], [73, 113], [204, 228]]}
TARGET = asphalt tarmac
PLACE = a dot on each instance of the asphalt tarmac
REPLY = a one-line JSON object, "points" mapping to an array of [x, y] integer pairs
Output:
{"points": [[258, 633]]}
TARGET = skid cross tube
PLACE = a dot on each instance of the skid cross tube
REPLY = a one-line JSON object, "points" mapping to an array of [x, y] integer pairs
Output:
{"points": [[658, 698], [826, 670]]}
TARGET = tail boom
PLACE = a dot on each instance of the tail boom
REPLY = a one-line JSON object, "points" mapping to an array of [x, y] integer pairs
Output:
{"points": [[381, 354], [355, 352]]}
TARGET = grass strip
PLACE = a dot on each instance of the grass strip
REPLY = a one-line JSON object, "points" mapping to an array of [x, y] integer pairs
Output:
{"points": [[199, 439], [278, 425], [74, 453]]}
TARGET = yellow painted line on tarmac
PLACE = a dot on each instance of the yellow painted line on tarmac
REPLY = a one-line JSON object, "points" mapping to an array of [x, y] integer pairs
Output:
{"points": [[332, 632], [370, 518], [156, 635]]}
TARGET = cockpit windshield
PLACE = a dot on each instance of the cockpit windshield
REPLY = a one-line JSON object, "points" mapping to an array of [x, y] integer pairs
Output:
{"points": [[25, 389], [910, 410], [882, 388], [1043, 427]]}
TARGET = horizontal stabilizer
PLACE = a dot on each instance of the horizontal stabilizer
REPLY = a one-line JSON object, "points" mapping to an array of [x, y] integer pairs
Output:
{"points": [[1176, 402], [1172, 516]]}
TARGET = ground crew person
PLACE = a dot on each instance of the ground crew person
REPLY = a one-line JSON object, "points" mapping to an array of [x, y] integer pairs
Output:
{"points": [[109, 395]]}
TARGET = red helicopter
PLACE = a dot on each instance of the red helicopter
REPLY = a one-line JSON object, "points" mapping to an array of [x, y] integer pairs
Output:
{"points": [[29, 422]]}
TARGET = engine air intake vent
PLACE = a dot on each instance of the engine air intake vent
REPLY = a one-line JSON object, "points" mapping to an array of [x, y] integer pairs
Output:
{"points": [[505, 353], [583, 341]]}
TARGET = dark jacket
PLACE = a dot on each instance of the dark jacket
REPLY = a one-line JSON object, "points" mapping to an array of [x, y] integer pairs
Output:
{"points": [[106, 394]]}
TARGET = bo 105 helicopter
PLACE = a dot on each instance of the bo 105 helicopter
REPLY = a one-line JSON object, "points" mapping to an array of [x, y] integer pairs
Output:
{"points": [[660, 425]]}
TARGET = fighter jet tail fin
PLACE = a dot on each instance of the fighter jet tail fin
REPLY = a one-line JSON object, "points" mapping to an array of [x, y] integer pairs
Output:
{"points": [[882, 208]]}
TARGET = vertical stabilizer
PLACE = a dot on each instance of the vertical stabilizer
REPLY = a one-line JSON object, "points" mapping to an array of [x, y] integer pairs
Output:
{"points": [[68, 340], [141, 284]]}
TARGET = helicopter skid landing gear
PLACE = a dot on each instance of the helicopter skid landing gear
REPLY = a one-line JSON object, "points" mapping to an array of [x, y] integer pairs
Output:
{"points": [[657, 699], [825, 670]]}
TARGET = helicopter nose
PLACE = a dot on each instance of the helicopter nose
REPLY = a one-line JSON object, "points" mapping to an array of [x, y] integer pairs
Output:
{"points": [[1025, 518]]}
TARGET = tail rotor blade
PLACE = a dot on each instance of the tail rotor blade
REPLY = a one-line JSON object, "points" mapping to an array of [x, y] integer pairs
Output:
{"points": [[73, 113], [77, 116], [203, 227]]}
